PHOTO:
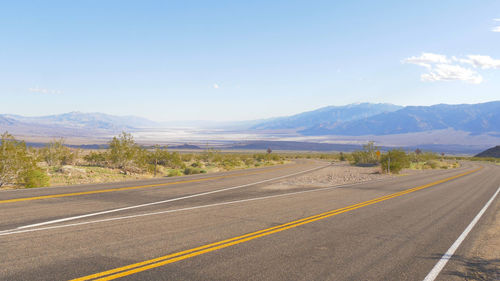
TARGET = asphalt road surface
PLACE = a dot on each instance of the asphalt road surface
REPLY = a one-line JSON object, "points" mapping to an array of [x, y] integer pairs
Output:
{"points": [[228, 227]]}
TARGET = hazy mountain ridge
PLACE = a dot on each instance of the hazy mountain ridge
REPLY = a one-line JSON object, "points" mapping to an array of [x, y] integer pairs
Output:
{"points": [[84, 121], [442, 124], [327, 116], [6, 121], [473, 118]]}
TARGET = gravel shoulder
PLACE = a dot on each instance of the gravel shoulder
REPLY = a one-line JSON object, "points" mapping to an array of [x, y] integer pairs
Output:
{"points": [[482, 260], [337, 174]]}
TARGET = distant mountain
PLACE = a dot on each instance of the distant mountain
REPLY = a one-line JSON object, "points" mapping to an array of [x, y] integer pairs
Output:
{"points": [[72, 124], [6, 121], [327, 117], [184, 146], [473, 118], [86, 120], [492, 152]]}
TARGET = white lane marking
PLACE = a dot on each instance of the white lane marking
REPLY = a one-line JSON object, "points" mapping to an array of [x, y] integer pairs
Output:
{"points": [[163, 212], [15, 231], [159, 202], [433, 274]]}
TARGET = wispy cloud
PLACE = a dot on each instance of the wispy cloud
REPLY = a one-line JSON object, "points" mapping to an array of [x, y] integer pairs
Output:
{"points": [[44, 91], [450, 72], [427, 59], [479, 61], [496, 28], [216, 86], [441, 68]]}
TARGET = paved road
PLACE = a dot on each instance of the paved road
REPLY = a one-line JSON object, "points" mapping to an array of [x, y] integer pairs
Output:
{"points": [[229, 226]]}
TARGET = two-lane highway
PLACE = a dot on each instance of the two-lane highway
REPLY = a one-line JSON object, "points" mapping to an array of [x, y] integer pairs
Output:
{"points": [[228, 227]]}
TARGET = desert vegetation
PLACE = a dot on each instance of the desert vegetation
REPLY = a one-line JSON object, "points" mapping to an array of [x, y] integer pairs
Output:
{"points": [[395, 160], [57, 164], [124, 159]]}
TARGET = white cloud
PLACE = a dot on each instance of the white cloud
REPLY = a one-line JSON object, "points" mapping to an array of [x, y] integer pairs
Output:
{"points": [[450, 72], [427, 59], [440, 68], [216, 86], [44, 91], [479, 61], [496, 28]]}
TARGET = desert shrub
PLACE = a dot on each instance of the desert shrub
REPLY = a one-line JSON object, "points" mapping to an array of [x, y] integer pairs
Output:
{"points": [[342, 157], [259, 157], [15, 160], [196, 164], [125, 154], [432, 164], [249, 161], [55, 153], [174, 173], [396, 159], [427, 156], [274, 157], [193, 171], [35, 178], [366, 156], [186, 157], [171, 160], [95, 158]]}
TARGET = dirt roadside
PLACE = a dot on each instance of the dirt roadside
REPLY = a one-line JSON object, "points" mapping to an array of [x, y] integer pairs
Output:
{"points": [[337, 174], [482, 260]]}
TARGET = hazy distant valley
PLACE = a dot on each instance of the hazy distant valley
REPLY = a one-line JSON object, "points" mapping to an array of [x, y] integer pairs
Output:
{"points": [[454, 128]]}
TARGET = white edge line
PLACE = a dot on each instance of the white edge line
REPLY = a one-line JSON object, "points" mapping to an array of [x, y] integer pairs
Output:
{"points": [[14, 231], [164, 212], [433, 274], [104, 184], [159, 202]]}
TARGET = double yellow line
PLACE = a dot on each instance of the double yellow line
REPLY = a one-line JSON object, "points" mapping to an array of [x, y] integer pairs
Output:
{"points": [[133, 187], [171, 258]]}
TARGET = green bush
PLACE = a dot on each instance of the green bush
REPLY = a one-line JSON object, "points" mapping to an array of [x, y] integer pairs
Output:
{"points": [[56, 153], [249, 161], [163, 157], [186, 157], [193, 171], [125, 154], [196, 164], [174, 173], [396, 159], [366, 156], [36, 178], [95, 158], [433, 164], [15, 160], [342, 157]]}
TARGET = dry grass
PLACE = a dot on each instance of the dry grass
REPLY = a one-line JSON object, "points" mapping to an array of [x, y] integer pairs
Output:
{"points": [[86, 174]]}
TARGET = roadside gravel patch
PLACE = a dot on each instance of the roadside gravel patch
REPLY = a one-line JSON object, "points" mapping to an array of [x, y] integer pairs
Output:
{"points": [[337, 174]]}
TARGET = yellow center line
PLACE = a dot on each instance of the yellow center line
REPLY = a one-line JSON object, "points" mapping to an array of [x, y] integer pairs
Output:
{"points": [[132, 187], [171, 258]]}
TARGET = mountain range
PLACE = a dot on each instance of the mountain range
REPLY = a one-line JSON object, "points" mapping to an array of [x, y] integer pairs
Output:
{"points": [[82, 120], [329, 116], [72, 124], [483, 118], [473, 122]]}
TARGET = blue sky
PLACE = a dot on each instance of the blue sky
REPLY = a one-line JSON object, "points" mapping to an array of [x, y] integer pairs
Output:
{"points": [[239, 60]]}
